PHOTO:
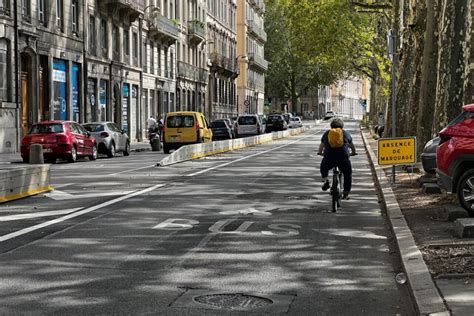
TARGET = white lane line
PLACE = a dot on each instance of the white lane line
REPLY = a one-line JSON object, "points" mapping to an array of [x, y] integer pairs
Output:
{"points": [[76, 214], [125, 171], [62, 196], [250, 156], [36, 215]]}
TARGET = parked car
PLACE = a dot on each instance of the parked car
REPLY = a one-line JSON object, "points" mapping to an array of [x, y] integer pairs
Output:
{"points": [[295, 122], [233, 125], [60, 139], [329, 115], [428, 157], [182, 128], [248, 125], [221, 130], [109, 137], [455, 158], [263, 123], [275, 123]]}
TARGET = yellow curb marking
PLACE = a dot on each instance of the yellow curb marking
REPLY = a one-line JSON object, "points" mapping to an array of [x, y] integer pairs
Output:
{"points": [[25, 194]]}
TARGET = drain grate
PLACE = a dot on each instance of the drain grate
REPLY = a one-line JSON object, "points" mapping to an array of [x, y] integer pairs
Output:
{"points": [[233, 301]]}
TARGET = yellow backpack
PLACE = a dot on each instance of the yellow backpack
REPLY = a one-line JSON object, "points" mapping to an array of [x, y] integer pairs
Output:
{"points": [[336, 137]]}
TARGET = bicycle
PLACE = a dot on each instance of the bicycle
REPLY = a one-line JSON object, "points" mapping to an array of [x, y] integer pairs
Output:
{"points": [[337, 186]]}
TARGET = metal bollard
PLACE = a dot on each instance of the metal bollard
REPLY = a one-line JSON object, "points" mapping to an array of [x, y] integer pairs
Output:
{"points": [[36, 154], [156, 144]]}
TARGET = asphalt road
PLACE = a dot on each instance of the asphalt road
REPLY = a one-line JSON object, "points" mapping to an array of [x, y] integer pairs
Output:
{"points": [[246, 232]]}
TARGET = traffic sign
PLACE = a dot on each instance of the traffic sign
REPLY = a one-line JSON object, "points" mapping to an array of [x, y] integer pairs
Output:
{"points": [[397, 151], [246, 102]]}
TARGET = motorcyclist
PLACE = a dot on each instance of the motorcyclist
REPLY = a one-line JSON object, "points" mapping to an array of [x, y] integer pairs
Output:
{"points": [[336, 153]]}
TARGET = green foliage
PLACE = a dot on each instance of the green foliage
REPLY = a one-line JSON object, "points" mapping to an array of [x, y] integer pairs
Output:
{"points": [[317, 42]]}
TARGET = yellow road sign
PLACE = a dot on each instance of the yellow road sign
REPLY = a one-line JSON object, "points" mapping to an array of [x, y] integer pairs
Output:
{"points": [[397, 151]]}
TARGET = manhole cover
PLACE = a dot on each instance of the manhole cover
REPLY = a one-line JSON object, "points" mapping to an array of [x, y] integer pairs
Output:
{"points": [[233, 301]]}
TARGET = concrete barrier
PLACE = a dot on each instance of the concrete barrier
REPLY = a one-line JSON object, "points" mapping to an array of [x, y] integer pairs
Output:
{"points": [[19, 182], [196, 151]]}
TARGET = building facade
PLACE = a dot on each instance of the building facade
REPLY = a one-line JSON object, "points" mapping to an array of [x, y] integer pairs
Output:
{"points": [[41, 63], [349, 98], [222, 50], [251, 38], [116, 60]]}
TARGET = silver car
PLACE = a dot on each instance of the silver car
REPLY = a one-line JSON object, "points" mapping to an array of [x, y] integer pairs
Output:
{"points": [[110, 138]]}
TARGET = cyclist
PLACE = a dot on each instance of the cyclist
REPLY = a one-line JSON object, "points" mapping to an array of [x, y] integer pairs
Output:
{"points": [[335, 144]]}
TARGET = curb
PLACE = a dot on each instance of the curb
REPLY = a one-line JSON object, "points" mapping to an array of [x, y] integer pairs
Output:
{"points": [[427, 298]]}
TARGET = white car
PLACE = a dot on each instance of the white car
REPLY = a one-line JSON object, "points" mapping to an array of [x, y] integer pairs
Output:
{"points": [[248, 125], [295, 122]]}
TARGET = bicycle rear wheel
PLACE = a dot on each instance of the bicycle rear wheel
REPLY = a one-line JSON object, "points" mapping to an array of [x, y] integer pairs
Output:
{"points": [[335, 194], [339, 190]]}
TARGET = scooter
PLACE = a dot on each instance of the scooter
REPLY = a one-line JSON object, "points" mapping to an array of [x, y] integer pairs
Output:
{"points": [[154, 136]]}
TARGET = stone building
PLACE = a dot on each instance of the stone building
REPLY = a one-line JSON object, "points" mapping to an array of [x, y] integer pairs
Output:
{"points": [[251, 38], [222, 48], [114, 60], [46, 61]]}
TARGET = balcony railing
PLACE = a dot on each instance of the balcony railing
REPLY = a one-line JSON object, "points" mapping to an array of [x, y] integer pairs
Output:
{"points": [[130, 8], [224, 64], [257, 31], [4, 10], [193, 73], [257, 61], [260, 6], [196, 32], [163, 29]]}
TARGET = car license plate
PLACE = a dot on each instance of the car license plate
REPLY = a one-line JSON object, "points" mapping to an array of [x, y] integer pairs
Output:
{"points": [[174, 137], [47, 150]]}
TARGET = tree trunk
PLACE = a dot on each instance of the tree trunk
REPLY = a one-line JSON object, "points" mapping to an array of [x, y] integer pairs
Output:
{"points": [[451, 61], [428, 75]]}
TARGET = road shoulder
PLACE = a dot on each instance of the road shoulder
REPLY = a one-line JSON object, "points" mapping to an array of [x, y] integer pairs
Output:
{"points": [[426, 296]]}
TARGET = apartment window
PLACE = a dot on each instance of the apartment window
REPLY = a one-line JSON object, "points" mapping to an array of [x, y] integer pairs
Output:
{"points": [[92, 35], [103, 38], [126, 42], [166, 61], [152, 58], [60, 15], [4, 7], [26, 10], [158, 51], [75, 16], [116, 42], [171, 66], [4, 56], [144, 59], [135, 48], [42, 16]]}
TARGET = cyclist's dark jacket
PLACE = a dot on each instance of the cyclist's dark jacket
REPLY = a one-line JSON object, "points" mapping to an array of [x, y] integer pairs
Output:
{"points": [[339, 152]]}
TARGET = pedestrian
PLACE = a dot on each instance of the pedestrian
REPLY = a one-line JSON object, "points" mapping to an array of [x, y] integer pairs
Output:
{"points": [[380, 125], [151, 122]]}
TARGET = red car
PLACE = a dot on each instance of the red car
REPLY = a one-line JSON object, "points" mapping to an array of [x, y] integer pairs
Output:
{"points": [[60, 139], [455, 158]]}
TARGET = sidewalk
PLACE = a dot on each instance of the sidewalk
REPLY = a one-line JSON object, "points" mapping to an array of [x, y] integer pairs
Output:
{"points": [[15, 158], [439, 266]]}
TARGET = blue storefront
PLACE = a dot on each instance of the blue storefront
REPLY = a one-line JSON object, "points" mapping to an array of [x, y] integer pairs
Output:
{"points": [[60, 90]]}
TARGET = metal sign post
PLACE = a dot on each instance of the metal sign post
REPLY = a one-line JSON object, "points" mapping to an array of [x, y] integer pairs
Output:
{"points": [[392, 46]]}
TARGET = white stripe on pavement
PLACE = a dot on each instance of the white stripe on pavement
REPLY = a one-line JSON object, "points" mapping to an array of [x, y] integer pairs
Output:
{"points": [[36, 215], [76, 214], [250, 156]]}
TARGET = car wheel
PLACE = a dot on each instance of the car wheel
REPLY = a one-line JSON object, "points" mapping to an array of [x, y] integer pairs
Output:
{"points": [[73, 155], [126, 152], [94, 153], [111, 152], [166, 148], [25, 159], [465, 191], [51, 160]]}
